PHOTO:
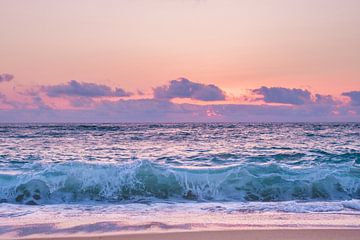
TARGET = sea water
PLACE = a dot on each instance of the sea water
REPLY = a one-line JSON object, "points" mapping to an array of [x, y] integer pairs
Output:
{"points": [[103, 170]]}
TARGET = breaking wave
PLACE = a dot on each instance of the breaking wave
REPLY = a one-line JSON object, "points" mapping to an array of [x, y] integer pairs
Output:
{"points": [[145, 180]]}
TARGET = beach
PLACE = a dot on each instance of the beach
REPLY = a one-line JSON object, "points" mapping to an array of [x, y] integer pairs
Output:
{"points": [[180, 120], [199, 181], [273, 234], [169, 221]]}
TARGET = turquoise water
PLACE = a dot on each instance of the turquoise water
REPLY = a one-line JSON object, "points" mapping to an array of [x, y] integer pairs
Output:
{"points": [[249, 164]]}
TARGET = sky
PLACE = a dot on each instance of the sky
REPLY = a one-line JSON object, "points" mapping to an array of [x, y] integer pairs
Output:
{"points": [[179, 60]]}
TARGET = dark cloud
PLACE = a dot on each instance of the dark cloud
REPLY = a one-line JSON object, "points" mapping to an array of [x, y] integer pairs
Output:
{"points": [[119, 92], [184, 88], [354, 97], [293, 96], [325, 99], [80, 89], [5, 77]]}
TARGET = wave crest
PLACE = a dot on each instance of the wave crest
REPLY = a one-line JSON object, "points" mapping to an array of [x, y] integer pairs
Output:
{"points": [[74, 182]]}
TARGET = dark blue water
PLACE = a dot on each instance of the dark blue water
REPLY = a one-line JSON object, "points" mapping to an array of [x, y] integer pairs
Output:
{"points": [[122, 163]]}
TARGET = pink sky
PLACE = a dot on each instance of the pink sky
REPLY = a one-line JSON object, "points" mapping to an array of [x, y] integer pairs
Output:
{"points": [[140, 45]]}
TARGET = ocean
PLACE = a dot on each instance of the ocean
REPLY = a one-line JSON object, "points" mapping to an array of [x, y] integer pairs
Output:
{"points": [[162, 175]]}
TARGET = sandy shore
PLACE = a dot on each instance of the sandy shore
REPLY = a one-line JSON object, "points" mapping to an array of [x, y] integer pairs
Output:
{"points": [[169, 221], [271, 234]]}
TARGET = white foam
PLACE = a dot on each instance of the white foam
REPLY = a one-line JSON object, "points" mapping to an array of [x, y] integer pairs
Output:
{"points": [[353, 204]]}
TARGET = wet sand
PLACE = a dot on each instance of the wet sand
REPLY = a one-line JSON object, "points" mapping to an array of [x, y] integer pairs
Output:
{"points": [[269, 234]]}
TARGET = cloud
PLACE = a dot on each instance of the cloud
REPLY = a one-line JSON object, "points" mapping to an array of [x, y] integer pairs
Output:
{"points": [[354, 97], [40, 104], [90, 107], [5, 77], [293, 96], [4, 100], [156, 110], [184, 88], [82, 102], [74, 88], [325, 99]]}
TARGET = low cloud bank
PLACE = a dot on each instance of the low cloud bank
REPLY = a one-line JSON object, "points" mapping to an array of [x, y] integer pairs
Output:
{"points": [[296, 105], [155, 110]]}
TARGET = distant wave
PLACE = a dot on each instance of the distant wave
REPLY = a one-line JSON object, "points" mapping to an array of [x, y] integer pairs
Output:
{"points": [[79, 181]]}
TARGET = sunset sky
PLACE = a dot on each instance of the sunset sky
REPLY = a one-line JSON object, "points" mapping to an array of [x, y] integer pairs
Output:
{"points": [[179, 60]]}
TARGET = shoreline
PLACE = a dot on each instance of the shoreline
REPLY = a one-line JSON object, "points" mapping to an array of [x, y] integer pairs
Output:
{"points": [[248, 234], [169, 221]]}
